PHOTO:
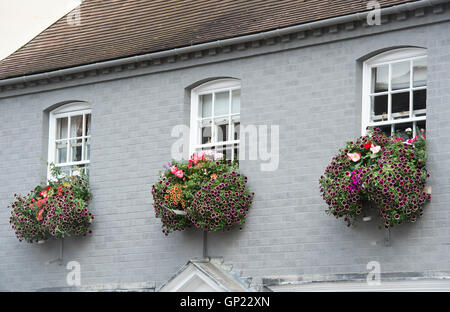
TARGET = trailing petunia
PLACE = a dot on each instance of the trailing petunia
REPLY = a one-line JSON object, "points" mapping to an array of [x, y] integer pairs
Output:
{"points": [[391, 175], [56, 210], [206, 192]]}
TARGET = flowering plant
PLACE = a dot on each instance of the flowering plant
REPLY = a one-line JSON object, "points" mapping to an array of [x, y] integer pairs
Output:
{"points": [[57, 210], [207, 191], [387, 171]]}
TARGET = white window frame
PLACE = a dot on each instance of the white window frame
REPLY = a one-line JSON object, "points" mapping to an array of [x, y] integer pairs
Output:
{"points": [[389, 58], [219, 85], [68, 110]]}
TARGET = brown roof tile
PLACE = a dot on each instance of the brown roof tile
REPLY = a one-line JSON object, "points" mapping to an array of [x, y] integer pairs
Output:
{"points": [[117, 28]]}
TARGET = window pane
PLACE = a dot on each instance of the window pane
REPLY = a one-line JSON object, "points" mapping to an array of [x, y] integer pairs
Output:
{"points": [[87, 131], [380, 77], [379, 108], [226, 150], [221, 103], [421, 127], [66, 170], [385, 129], [236, 152], [235, 121], [61, 128], [231, 152], [420, 72], [76, 150], [70, 170], [87, 149], [206, 135], [76, 126], [61, 152], [400, 105], [420, 102], [236, 102], [404, 130], [222, 129], [400, 75], [206, 105]]}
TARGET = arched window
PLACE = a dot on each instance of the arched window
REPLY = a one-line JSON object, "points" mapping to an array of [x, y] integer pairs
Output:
{"points": [[215, 117], [395, 92], [70, 137]]}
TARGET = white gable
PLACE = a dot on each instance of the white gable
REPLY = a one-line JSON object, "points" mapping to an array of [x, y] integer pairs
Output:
{"points": [[205, 275]]}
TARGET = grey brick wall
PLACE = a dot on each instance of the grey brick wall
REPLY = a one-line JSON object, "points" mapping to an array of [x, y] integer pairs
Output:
{"points": [[313, 92]]}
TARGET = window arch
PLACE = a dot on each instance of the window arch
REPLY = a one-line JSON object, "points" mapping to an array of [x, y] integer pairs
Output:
{"points": [[215, 117], [70, 137], [394, 92]]}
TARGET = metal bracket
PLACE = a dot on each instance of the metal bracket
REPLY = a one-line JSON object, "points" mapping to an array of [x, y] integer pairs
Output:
{"points": [[60, 257], [387, 240], [205, 244]]}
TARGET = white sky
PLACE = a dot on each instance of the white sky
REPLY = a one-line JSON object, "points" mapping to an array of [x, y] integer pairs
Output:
{"points": [[22, 20]]}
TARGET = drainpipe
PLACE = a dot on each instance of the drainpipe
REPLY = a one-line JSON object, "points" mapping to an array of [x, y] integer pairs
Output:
{"points": [[225, 42], [205, 244]]}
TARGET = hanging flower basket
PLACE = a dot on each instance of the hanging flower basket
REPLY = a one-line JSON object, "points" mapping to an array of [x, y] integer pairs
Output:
{"points": [[56, 210], [388, 172], [207, 192]]}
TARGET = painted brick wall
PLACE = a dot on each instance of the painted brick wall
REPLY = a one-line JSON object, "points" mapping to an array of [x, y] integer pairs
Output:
{"points": [[313, 93]]}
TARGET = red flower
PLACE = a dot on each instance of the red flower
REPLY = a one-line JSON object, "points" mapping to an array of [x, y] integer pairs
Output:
{"points": [[367, 145], [41, 202], [39, 216], [48, 188], [43, 193]]}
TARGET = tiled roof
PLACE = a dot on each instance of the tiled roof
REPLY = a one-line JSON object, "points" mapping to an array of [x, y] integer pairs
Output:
{"points": [[119, 28]]}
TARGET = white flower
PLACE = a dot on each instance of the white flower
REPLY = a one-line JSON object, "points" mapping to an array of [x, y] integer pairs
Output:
{"points": [[375, 149], [354, 156], [408, 130], [218, 156], [212, 155], [75, 173]]}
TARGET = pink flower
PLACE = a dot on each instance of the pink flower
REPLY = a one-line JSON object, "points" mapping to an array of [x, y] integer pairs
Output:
{"points": [[195, 158], [200, 155], [173, 169], [375, 149], [398, 139], [354, 156], [179, 173], [413, 139]]}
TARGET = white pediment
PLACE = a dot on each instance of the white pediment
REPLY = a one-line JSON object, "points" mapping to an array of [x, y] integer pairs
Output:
{"points": [[203, 275]]}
